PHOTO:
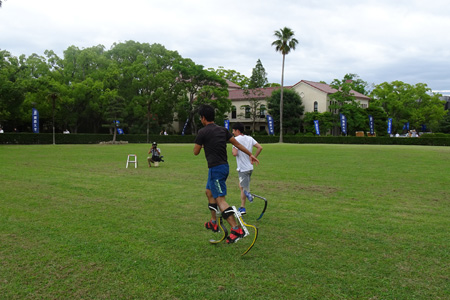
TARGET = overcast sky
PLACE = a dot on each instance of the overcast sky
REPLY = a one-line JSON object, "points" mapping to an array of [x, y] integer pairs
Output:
{"points": [[380, 40]]}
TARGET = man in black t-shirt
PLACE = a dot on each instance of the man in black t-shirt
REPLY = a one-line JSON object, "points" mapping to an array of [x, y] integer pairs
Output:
{"points": [[213, 139]]}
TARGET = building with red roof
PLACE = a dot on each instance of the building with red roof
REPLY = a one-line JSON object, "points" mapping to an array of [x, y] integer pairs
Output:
{"points": [[315, 97]]}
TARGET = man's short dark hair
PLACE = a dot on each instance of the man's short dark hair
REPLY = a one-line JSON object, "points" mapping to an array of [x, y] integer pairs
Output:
{"points": [[239, 126], [207, 111]]}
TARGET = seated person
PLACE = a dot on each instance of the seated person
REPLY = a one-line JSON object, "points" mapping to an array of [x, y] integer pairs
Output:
{"points": [[156, 155]]}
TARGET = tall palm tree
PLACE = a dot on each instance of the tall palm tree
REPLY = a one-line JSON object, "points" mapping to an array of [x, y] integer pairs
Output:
{"points": [[285, 43]]}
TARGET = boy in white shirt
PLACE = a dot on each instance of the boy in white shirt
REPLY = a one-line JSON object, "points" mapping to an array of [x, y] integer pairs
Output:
{"points": [[244, 166]]}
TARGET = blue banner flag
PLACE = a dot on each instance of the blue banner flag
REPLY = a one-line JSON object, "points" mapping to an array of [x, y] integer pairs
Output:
{"points": [[270, 124], [184, 127], [389, 129], [35, 120], [316, 126], [226, 124], [119, 130], [406, 126], [343, 123], [371, 125], [424, 128]]}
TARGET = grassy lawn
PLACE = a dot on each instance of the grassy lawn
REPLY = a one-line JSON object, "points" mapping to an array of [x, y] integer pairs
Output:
{"points": [[343, 222]]}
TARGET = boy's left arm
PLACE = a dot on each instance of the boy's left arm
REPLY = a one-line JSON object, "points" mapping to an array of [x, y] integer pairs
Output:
{"points": [[258, 149]]}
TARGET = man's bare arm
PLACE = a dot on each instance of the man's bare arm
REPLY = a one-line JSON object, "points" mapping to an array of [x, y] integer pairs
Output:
{"points": [[197, 149]]}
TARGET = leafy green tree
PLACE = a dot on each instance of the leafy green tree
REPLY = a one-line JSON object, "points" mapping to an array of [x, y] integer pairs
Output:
{"points": [[231, 75], [272, 85], [147, 80], [39, 87], [114, 111], [380, 119], [293, 110], [81, 105], [326, 122], [13, 86], [201, 86], [444, 125], [217, 97], [409, 103], [344, 101], [285, 43], [77, 80], [259, 76], [357, 119], [357, 84]]}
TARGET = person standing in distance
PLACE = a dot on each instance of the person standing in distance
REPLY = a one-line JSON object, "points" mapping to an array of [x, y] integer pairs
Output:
{"points": [[213, 138], [244, 165]]}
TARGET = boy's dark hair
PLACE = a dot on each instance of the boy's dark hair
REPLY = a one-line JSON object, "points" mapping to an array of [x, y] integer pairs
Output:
{"points": [[207, 111], [239, 126]]}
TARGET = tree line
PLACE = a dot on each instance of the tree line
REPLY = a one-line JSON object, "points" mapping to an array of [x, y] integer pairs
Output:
{"points": [[413, 106], [143, 86], [146, 87]]}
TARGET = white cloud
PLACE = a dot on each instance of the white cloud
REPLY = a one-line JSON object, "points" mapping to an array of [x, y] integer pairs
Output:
{"points": [[378, 40]]}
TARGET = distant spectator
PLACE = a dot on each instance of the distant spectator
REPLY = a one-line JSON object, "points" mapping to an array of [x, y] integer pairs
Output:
{"points": [[1, 130], [66, 131]]}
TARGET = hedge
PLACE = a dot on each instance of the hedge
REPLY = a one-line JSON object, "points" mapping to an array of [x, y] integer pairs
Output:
{"points": [[82, 138], [47, 138]]}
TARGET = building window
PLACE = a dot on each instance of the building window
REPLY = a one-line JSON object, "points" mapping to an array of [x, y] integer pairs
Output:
{"points": [[247, 112], [316, 106], [262, 111], [233, 112]]}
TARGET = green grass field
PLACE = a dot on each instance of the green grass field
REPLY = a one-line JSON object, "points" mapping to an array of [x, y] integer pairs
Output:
{"points": [[343, 222]]}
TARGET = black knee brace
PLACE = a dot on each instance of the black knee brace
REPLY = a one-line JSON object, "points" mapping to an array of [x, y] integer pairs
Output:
{"points": [[227, 213], [212, 206]]}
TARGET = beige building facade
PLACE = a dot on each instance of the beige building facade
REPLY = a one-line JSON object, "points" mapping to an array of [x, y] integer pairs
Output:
{"points": [[315, 98]]}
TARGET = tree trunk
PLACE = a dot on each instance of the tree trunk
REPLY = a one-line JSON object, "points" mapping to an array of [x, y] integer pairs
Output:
{"points": [[281, 102], [115, 133], [148, 122], [148, 127], [53, 116]]}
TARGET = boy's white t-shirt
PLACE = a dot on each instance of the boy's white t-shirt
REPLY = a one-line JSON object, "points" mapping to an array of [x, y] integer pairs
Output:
{"points": [[243, 160]]}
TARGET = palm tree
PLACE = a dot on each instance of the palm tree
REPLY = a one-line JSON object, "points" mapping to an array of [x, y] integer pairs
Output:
{"points": [[285, 43]]}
